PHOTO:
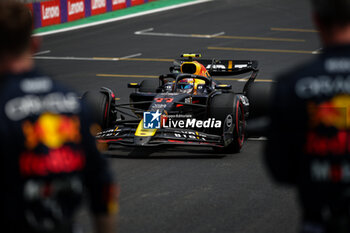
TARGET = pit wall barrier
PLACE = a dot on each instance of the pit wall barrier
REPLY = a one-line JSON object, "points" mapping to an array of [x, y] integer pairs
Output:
{"points": [[61, 11]]}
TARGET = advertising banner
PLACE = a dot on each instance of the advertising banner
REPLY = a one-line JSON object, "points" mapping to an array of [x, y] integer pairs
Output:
{"points": [[137, 2], [118, 4], [75, 9], [50, 13], [98, 7]]}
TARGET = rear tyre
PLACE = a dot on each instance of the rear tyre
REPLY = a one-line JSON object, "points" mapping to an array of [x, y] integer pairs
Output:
{"points": [[149, 86], [98, 103], [259, 95], [228, 108]]}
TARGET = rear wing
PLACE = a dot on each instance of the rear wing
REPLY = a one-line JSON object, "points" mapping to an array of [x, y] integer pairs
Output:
{"points": [[225, 68], [222, 67]]}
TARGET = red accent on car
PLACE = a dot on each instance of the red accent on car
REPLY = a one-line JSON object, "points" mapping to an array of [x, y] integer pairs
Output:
{"points": [[106, 111], [110, 140], [237, 125], [177, 141]]}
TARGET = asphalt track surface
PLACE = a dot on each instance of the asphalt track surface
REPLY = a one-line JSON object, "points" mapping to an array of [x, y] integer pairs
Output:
{"points": [[191, 190]]}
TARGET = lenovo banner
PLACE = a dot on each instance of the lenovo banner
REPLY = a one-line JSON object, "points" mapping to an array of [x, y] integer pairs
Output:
{"points": [[50, 13], [75, 9], [137, 2], [98, 7], [118, 4]]}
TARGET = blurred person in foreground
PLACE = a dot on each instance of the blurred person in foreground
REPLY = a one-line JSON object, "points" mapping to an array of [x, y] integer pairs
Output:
{"points": [[48, 157], [309, 138]]}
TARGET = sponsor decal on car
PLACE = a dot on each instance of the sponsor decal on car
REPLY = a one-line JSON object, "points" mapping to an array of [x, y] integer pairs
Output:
{"points": [[169, 94], [190, 135], [216, 67], [158, 106], [244, 100], [229, 121]]}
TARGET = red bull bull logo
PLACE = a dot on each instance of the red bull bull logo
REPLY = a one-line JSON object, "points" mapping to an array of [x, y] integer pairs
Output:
{"points": [[52, 130], [334, 113]]}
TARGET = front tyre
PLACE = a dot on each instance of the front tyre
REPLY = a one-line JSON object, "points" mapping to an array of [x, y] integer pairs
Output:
{"points": [[228, 108], [239, 129], [98, 102]]}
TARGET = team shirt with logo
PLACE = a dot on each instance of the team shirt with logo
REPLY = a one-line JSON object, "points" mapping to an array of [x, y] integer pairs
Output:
{"points": [[49, 159], [309, 138]]}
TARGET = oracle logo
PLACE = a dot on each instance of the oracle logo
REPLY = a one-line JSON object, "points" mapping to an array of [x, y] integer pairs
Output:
{"points": [[97, 4], [118, 2], [50, 12], [74, 8]]}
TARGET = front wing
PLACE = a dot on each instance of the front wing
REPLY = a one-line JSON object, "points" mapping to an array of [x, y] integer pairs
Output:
{"points": [[171, 136]]}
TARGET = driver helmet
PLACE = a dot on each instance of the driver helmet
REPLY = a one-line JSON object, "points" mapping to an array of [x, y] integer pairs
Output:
{"points": [[186, 85]]}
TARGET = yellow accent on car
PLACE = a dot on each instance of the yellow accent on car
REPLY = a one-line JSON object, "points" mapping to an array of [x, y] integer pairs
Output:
{"points": [[191, 55], [197, 82], [191, 68], [142, 132], [230, 65], [133, 84]]}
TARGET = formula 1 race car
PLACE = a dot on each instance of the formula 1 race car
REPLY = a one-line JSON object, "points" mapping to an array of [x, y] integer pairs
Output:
{"points": [[185, 107]]}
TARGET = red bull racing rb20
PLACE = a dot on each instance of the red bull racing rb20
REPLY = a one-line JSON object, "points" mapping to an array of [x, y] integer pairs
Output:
{"points": [[186, 107]]}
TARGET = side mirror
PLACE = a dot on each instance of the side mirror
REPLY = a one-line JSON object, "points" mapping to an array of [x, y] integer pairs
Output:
{"points": [[133, 85], [223, 87]]}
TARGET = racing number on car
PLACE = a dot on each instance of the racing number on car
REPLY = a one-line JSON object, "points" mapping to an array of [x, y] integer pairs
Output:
{"points": [[167, 100]]}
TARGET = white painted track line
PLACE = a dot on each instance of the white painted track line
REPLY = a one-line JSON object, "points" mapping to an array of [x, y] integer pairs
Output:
{"points": [[42, 52], [149, 32], [87, 58]]}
